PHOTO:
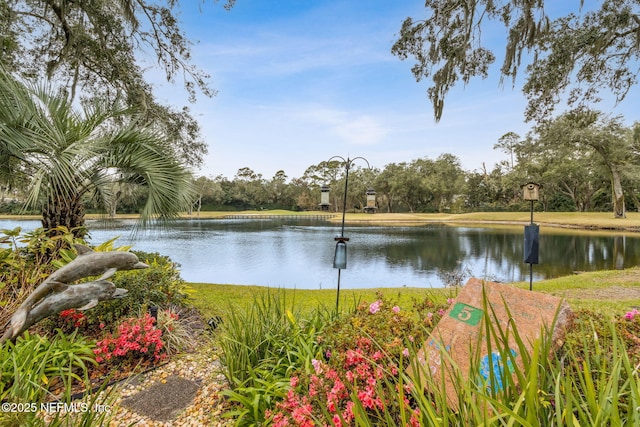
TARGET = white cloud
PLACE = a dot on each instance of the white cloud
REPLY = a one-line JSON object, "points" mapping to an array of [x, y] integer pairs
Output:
{"points": [[362, 130]]}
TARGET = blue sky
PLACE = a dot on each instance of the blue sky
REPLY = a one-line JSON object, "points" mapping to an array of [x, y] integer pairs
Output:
{"points": [[301, 81]]}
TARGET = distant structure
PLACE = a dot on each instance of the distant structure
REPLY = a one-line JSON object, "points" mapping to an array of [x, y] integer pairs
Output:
{"points": [[371, 202], [324, 198]]}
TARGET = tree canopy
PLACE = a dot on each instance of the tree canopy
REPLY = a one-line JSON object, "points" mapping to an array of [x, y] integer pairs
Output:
{"points": [[93, 49], [575, 56]]}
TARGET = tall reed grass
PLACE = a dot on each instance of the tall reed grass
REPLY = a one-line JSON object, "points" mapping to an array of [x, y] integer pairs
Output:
{"points": [[262, 347]]}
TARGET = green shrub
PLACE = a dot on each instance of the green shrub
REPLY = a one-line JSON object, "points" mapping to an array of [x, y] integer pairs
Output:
{"points": [[360, 352], [35, 366], [384, 322], [160, 285], [25, 260]]}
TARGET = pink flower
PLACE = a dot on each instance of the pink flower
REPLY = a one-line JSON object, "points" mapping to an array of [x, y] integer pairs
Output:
{"points": [[405, 352], [317, 366], [374, 307], [631, 314], [396, 309], [441, 312], [450, 301], [293, 382]]}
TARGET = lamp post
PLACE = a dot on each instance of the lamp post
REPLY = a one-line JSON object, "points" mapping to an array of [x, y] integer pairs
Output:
{"points": [[340, 255]]}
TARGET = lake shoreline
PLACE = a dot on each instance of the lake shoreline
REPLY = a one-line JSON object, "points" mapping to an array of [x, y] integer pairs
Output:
{"points": [[595, 221]]}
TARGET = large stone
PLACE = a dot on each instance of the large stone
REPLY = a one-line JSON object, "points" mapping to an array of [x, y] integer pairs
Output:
{"points": [[461, 335]]}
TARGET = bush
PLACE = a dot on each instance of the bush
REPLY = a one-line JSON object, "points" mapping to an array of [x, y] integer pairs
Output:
{"points": [[35, 367], [361, 352], [136, 338], [25, 260], [159, 285], [583, 384]]}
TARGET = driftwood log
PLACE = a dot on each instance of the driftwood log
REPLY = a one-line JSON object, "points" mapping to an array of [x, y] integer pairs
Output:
{"points": [[57, 292]]}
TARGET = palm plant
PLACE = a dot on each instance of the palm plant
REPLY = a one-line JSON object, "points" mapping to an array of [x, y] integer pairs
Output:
{"points": [[73, 157]]}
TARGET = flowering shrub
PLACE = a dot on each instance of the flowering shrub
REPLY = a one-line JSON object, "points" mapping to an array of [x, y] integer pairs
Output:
{"points": [[629, 329], [363, 374], [72, 319], [381, 333], [136, 337]]}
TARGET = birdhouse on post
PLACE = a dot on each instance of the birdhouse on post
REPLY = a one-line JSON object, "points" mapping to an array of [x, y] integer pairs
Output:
{"points": [[531, 191]]}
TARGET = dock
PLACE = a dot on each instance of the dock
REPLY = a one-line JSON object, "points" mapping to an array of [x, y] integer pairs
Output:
{"points": [[267, 216]]}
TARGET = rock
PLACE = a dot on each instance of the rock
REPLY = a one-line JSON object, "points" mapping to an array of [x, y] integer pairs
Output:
{"points": [[460, 335]]}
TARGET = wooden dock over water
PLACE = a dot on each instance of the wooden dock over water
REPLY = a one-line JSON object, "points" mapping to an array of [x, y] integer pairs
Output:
{"points": [[267, 216]]}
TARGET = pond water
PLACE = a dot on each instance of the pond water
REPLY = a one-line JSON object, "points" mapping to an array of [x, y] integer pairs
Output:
{"points": [[299, 253]]}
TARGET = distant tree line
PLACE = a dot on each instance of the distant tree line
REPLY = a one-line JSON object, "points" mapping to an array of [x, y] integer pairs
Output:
{"points": [[584, 160]]}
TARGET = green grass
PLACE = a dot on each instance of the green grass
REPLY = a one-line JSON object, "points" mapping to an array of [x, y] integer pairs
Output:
{"points": [[608, 292], [214, 299]]}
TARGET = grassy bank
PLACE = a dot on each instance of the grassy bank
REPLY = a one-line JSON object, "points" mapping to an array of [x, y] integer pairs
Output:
{"points": [[608, 292], [586, 220]]}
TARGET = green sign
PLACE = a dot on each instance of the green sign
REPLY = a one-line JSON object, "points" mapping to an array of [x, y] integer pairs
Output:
{"points": [[466, 313]]}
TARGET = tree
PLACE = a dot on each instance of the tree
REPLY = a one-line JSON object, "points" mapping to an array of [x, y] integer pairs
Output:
{"points": [[385, 184], [607, 137], [569, 173], [506, 144], [445, 180], [92, 48], [73, 157], [582, 52]]}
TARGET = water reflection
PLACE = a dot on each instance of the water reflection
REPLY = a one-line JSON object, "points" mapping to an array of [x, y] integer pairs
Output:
{"points": [[299, 253]]}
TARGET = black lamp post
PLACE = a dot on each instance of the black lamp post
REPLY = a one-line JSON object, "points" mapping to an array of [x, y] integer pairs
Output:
{"points": [[340, 256]]}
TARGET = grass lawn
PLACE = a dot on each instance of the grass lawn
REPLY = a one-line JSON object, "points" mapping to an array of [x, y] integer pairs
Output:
{"points": [[611, 292]]}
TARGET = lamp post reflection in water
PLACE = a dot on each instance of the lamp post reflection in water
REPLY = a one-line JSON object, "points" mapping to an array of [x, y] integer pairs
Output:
{"points": [[340, 256]]}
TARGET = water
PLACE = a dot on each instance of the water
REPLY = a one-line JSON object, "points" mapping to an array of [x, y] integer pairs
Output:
{"points": [[299, 253]]}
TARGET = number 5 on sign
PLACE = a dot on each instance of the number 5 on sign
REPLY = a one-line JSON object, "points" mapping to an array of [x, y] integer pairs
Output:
{"points": [[466, 313]]}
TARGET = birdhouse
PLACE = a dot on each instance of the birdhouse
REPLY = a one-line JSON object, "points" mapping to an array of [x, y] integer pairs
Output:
{"points": [[531, 191]]}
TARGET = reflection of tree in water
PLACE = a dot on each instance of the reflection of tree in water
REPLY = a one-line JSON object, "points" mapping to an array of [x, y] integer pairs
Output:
{"points": [[492, 253], [500, 252], [423, 249]]}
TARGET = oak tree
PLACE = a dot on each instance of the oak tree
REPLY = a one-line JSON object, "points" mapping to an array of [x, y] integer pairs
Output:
{"points": [[93, 49], [574, 56]]}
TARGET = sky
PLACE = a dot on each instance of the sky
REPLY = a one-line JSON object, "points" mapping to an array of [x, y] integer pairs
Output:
{"points": [[301, 81]]}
